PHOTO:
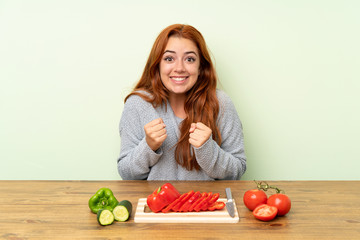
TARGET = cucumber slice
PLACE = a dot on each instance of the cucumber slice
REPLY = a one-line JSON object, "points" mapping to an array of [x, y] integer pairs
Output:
{"points": [[105, 217], [122, 211]]}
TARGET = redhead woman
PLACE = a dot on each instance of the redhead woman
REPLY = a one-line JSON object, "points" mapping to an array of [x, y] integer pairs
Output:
{"points": [[176, 125]]}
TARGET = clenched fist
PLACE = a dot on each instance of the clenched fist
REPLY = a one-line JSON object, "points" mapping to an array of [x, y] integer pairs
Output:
{"points": [[155, 133], [199, 134]]}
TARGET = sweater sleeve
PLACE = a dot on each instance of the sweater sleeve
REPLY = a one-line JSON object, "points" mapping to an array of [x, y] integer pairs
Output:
{"points": [[227, 161], [136, 157]]}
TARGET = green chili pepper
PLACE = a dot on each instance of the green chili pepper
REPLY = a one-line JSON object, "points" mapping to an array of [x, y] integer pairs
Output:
{"points": [[103, 199]]}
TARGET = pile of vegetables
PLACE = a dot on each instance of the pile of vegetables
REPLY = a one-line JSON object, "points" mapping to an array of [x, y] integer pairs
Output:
{"points": [[108, 208], [168, 199], [264, 208]]}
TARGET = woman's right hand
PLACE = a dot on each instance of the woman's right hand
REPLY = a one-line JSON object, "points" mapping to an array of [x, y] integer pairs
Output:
{"points": [[155, 133]]}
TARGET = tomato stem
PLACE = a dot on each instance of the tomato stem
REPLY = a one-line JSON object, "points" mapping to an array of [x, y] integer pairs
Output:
{"points": [[262, 185]]}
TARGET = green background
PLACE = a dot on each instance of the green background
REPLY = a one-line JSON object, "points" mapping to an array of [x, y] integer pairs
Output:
{"points": [[292, 69]]}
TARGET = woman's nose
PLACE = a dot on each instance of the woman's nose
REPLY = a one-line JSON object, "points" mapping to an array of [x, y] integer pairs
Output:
{"points": [[179, 67]]}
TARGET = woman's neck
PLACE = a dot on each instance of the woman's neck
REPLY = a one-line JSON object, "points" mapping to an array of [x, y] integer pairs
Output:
{"points": [[177, 103]]}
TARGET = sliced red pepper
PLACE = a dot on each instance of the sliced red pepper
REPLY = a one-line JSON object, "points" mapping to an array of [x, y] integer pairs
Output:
{"points": [[174, 203], [216, 206], [213, 199], [162, 197], [203, 195], [206, 203], [182, 201], [171, 205], [198, 207], [185, 207]]}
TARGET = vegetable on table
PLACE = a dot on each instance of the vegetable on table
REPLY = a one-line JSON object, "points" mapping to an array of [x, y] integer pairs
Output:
{"points": [[202, 205], [187, 204], [281, 202], [265, 212], [263, 207], [253, 198], [203, 195], [122, 211], [168, 199], [105, 217], [174, 203], [162, 197], [103, 199], [185, 197], [216, 206]]}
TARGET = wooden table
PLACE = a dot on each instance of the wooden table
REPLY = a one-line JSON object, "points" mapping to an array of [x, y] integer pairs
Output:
{"points": [[59, 210]]}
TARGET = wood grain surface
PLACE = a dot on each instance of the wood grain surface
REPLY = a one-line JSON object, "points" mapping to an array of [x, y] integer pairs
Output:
{"points": [[59, 210]]}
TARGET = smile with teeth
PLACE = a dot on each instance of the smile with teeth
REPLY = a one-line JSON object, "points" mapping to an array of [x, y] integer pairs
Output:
{"points": [[179, 79]]}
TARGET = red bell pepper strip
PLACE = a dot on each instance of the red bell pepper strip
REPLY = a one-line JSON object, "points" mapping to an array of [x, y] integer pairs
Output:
{"points": [[177, 205], [171, 205], [162, 197], [213, 199], [204, 201], [182, 201], [203, 195], [185, 207], [210, 201], [216, 206]]}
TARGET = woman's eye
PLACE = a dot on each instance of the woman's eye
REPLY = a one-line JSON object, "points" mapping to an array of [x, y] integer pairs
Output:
{"points": [[168, 59], [190, 59]]}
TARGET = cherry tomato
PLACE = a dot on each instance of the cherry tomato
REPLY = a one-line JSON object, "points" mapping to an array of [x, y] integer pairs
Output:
{"points": [[281, 202], [265, 212], [253, 198]]}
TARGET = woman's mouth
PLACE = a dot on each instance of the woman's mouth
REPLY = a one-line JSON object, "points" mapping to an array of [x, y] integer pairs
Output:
{"points": [[179, 79]]}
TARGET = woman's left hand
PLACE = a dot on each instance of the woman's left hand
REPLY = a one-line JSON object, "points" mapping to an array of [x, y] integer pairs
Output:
{"points": [[199, 134]]}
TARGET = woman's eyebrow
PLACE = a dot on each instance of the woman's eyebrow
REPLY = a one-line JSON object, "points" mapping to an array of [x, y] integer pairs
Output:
{"points": [[189, 52], [169, 51]]}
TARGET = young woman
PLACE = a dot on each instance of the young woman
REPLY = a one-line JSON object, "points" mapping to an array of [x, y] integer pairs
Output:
{"points": [[175, 124]]}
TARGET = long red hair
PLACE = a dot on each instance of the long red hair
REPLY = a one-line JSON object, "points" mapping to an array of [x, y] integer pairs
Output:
{"points": [[201, 104]]}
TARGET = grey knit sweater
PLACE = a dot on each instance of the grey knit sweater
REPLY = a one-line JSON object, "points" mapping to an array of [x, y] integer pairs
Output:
{"points": [[138, 161]]}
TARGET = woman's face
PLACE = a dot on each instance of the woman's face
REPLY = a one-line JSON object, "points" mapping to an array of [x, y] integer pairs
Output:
{"points": [[179, 66]]}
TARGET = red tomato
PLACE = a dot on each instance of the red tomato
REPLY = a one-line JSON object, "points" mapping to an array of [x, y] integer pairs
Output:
{"points": [[281, 202], [253, 198], [265, 212]]}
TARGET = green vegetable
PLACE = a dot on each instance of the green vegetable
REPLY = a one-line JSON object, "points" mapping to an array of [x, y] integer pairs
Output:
{"points": [[105, 217], [103, 199], [122, 211]]}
